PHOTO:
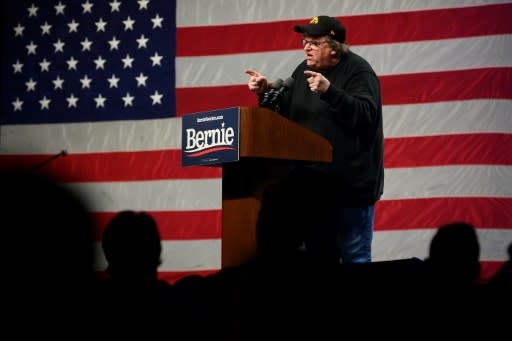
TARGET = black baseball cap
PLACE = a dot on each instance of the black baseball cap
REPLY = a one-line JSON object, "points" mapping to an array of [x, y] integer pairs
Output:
{"points": [[324, 25]]}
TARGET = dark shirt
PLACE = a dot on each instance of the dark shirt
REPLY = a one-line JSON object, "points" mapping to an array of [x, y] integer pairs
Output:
{"points": [[349, 115]]}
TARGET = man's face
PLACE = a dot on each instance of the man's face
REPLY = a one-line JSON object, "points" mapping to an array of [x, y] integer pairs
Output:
{"points": [[318, 52]]}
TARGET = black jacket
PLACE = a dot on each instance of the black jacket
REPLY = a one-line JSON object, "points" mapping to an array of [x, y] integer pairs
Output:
{"points": [[349, 115]]}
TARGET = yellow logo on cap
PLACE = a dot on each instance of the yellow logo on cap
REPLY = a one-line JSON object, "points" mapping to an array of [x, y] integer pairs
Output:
{"points": [[314, 20], [332, 33]]}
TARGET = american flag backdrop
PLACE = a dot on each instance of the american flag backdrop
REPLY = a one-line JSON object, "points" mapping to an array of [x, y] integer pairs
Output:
{"points": [[96, 79], [107, 81]]}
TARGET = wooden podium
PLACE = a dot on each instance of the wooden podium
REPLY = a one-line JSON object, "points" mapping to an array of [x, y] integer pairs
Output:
{"points": [[268, 143]]}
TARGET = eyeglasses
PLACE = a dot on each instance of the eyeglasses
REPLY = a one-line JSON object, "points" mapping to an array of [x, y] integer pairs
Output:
{"points": [[314, 44]]}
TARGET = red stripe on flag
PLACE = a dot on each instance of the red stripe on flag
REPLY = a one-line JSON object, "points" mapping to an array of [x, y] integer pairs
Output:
{"points": [[489, 268], [192, 100], [463, 149], [170, 276], [173, 276], [114, 166], [362, 30], [174, 225], [396, 89], [407, 214], [447, 86]]}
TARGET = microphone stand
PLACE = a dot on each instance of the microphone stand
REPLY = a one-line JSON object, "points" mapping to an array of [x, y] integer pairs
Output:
{"points": [[47, 161]]}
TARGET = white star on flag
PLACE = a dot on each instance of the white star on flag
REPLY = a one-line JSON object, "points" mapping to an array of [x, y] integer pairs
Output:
{"points": [[94, 57]]}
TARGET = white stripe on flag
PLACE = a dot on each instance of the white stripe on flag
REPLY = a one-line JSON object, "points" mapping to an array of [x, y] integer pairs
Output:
{"points": [[199, 12], [156, 195], [415, 243], [448, 181], [386, 59], [183, 255], [89, 137]]}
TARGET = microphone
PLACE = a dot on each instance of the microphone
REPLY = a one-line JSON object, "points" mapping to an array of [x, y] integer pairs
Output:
{"points": [[270, 93], [287, 84]]}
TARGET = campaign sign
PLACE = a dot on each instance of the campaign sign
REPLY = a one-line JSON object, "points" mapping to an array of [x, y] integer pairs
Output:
{"points": [[210, 137]]}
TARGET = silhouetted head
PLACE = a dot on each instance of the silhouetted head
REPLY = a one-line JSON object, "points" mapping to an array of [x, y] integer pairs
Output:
{"points": [[455, 252], [46, 255], [132, 246], [47, 230]]}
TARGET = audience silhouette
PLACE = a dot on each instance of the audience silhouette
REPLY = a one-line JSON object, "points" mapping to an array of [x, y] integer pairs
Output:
{"points": [[498, 298], [284, 291], [453, 293], [133, 299], [454, 255], [46, 257], [501, 281], [132, 247]]}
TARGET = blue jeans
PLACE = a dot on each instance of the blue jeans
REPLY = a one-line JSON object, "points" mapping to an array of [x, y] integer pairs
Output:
{"points": [[343, 235], [356, 234]]}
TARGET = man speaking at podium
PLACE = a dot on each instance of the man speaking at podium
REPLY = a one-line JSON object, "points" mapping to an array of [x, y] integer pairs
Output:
{"points": [[335, 93]]}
